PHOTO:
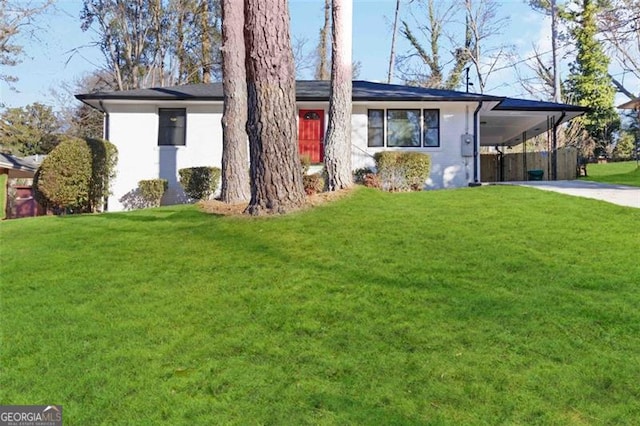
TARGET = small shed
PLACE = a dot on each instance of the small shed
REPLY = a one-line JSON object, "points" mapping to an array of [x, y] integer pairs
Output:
{"points": [[17, 177]]}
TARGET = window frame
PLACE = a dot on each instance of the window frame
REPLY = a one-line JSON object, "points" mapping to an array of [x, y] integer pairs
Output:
{"points": [[390, 111], [369, 128], [423, 128], [162, 136]]}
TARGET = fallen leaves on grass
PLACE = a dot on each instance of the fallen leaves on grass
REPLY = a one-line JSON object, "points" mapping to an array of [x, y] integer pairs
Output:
{"points": [[224, 209]]}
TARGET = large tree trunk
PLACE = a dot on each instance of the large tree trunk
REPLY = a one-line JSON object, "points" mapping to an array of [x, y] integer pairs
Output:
{"points": [[337, 159], [392, 54], [235, 157], [557, 94], [322, 68], [206, 56], [276, 175]]}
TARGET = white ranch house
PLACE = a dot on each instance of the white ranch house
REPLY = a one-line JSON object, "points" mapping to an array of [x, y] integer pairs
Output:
{"points": [[160, 130]]}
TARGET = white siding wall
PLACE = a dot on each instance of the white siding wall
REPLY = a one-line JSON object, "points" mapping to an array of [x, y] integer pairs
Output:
{"points": [[134, 131], [449, 169]]}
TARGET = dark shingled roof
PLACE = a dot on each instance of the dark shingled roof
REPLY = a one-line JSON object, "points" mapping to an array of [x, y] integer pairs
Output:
{"points": [[318, 90], [306, 90], [370, 91], [9, 161], [189, 91]]}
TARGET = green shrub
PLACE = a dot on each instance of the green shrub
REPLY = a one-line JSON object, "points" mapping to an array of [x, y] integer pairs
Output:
{"points": [[151, 191], [624, 147], [199, 183], [75, 176], [417, 167], [313, 184], [389, 171], [402, 171]]}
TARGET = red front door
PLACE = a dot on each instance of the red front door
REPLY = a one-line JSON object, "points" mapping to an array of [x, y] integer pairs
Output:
{"points": [[311, 134]]}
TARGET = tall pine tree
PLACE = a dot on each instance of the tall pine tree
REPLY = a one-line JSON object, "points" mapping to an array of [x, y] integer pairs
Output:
{"points": [[276, 175], [589, 81], [337, 159], [235, 154]]}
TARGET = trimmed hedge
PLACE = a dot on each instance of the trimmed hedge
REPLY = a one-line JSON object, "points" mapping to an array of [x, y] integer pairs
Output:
{"points": [[152, 190], [75, 176], [199, 183], [402, 171]]}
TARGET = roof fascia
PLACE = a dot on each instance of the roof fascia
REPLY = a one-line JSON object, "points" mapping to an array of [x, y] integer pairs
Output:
{"points": [[558, 108]]}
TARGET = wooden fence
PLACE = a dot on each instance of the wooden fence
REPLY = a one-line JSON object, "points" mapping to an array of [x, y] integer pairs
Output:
{"points": [[516, 166]]}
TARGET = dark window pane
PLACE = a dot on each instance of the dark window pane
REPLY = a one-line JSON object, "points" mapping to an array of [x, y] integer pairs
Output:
{"points": [[403, 127], [431, 135], [375, 131], [430, 118], [172, 126]]}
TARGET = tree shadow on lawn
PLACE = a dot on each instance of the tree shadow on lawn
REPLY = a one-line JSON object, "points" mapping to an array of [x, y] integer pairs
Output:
{"points": [[158, 214], [164, 214], [259, 241]]}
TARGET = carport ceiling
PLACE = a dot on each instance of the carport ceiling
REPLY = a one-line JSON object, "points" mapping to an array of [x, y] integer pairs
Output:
{"points": [[515, 120]]}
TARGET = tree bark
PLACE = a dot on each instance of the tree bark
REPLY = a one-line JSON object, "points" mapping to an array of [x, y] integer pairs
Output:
{"points": [[322, 71], [235, 157], [392, 54], [206, 56], [557, 94], [337, 159], [276, 175]]}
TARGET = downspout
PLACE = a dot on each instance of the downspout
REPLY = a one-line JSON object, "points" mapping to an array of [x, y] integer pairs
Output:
{"points": [[476, 144], [105, 130], [105, 135], [554, 147]]}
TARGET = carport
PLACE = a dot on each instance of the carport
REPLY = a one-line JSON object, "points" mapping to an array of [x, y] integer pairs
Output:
{"points": [[515, 121]]}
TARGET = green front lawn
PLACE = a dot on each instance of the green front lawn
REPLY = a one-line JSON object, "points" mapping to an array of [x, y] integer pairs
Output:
{"points": [[621, 173], [492, 305]]}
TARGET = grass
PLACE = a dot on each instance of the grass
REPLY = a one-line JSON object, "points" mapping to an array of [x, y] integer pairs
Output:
{"points": [[492, 305], [621, 173]]}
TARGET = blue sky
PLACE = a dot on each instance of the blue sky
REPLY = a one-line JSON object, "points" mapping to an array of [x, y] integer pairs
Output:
{"points": [[50, 59]]}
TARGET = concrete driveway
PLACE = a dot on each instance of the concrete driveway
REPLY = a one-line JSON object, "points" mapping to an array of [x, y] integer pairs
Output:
{"points": [[617, 194]]}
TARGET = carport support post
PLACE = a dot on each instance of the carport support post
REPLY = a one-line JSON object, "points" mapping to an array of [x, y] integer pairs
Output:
{"points": [[554, 147], [524, 155], [476, 145], [554, 151]]}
